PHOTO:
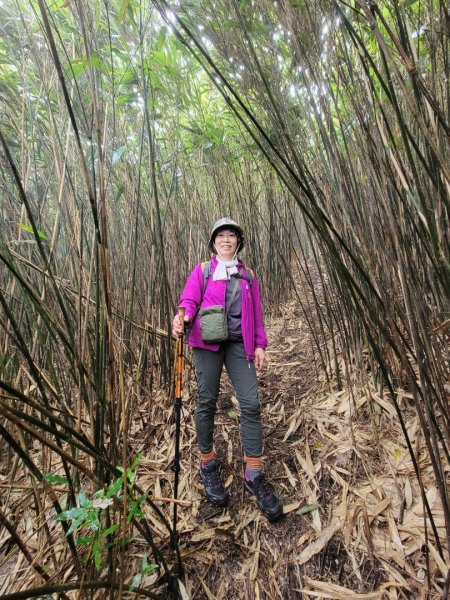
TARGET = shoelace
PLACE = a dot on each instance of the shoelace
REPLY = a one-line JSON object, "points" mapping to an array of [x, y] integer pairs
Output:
{"points": [[212, 478], [263, 489]]}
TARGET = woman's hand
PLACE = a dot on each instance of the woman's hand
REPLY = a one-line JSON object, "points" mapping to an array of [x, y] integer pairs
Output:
{"points": [[260, 358], [177, 328]]}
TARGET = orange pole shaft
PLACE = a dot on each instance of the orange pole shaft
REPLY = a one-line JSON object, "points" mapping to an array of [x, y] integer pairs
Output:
{"points": [[180, 357]]}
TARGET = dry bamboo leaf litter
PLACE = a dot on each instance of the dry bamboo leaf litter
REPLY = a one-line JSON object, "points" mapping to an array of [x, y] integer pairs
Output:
{"points": [[320, 451], [319, 543], [322, 589]]}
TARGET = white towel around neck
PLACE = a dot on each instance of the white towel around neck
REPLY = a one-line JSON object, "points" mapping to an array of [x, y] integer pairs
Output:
{"points": [[224, 269]]}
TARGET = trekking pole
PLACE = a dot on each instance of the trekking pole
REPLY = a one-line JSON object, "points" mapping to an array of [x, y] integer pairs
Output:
{"points": [[178, 395]]}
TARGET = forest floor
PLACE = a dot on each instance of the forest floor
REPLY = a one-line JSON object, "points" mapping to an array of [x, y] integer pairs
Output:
{"points": [[353, 526]]}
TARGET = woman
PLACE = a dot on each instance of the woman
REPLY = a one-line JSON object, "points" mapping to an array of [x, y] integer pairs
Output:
{"points": [[225, 288]]}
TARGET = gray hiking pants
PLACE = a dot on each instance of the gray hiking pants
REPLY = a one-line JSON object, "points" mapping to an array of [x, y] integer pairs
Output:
{"points": [[208, 365]]}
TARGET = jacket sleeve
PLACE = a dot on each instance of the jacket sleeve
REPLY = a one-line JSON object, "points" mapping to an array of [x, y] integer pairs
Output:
{"points": [[260, 332], [191, 296]]}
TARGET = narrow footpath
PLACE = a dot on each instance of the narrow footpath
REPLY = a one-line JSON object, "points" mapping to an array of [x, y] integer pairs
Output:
{"points": [[353, 526]]}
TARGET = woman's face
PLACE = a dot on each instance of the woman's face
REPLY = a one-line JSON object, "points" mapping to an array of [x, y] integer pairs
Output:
{"points": [[226, 242]]}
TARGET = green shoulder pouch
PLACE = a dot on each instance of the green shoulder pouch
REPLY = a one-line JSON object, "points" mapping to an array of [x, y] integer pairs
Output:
{"points": [[213, 321], [213, 324]]}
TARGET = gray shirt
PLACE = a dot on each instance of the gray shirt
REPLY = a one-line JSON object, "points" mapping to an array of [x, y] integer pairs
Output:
{"points": [[234, 311]]}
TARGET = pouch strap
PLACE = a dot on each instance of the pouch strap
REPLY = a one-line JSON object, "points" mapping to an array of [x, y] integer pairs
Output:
{"points": [[206, 272], [233, 295]]}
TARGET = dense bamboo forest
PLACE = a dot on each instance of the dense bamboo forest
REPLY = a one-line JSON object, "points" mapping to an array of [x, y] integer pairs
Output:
{"points": [[126, 129]]}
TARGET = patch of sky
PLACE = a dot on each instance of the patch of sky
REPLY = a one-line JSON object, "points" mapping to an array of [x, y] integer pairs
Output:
{"points": [[418, 32], [207, 42], [325, 29], [138, 102], [171, 16]]}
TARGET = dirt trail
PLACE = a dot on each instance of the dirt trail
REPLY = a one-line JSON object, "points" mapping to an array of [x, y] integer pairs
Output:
{"points": [[354, 526]]}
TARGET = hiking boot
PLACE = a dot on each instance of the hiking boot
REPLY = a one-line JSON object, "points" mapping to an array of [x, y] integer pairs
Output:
{"points": [[214, 488], [266, 497]]}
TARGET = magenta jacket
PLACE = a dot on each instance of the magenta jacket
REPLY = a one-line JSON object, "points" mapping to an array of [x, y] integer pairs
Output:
{"points": [[252, 325]]}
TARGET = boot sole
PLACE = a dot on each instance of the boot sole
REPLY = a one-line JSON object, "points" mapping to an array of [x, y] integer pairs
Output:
{"points": [[220, 503]]}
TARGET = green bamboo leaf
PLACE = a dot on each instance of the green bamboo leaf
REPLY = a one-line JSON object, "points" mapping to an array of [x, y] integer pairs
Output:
{"points": [[149, 568], [135, 510], [115, 487], [136, 581], [161, 39], [96, 61], [159, 58], [109, 531], [41, 234], [84, 500], [93, 521], [126, 8], [136, 461], [308, 508], [125, 98], [76, 67], [122, 11], [125, 77], [97, 552], [55, 479], [71, 513], [84, 539], [75, 524]]}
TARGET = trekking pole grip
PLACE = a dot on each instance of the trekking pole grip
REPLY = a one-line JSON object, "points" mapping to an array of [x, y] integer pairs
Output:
{"points": [[181, 313]]}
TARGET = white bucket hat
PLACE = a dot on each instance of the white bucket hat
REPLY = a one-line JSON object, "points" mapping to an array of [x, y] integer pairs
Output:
{"points": [[226, 223]]}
